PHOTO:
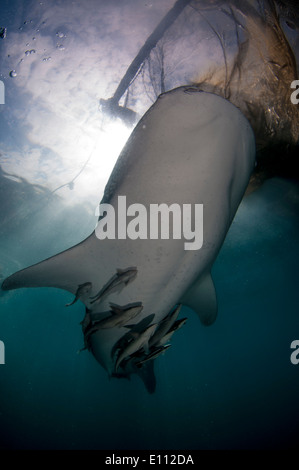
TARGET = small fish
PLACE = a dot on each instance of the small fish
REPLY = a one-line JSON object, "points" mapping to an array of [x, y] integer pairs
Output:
{"points": [[141, 341], [121, 279], [89, 324], [86, 322], [123, 342], [120, 315], [89, 327], [176, 326], [153, 355], [82, 290], [165, 326]]}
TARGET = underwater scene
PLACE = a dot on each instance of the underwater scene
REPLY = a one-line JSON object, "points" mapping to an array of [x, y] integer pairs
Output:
{"points": [[118, 330]]}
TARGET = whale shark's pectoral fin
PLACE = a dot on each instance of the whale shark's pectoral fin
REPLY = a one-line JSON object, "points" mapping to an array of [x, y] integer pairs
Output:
{"points": [[67, 270], [201, 297]]}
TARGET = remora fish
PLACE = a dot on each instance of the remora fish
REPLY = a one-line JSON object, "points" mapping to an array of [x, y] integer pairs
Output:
{"points": [[177, 325], [137, 328], [121, 279], [164, 326], [120, 316], [82, 290], [153, 355], [140, 342], [190, 147]]}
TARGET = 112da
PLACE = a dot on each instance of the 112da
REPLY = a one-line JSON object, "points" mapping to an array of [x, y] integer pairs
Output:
{"points": [[171, 459]]}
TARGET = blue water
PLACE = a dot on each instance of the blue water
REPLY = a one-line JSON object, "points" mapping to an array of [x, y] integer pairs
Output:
{"points": [[227, 386]]}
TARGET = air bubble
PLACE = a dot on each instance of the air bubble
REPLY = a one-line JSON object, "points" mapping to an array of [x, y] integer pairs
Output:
{"points": [[60, 34], [32, 51], [61, 47], [13, 73]]}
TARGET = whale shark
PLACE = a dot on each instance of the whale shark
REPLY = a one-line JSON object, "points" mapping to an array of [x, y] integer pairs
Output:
{"points": [[191, 147]]}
